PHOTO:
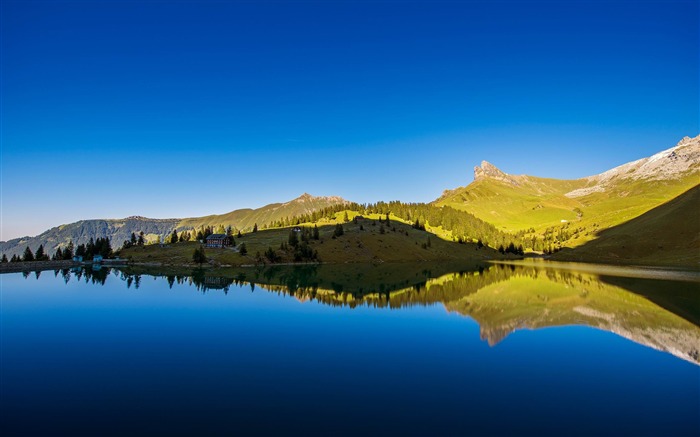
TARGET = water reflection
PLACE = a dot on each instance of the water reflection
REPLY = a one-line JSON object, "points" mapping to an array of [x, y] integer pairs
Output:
{"points": [[503, 299]]}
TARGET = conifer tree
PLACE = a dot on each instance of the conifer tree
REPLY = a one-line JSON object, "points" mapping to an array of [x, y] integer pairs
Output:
{"points": [[28, 255], [4, 258], [173, 237], [293, 239], [255, 227], [40, 255], [242, 249], [68, 251], [199, 256], [316, 235]]}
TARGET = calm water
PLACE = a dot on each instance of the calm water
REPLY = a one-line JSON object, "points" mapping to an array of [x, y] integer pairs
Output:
{"points": [[360, 350]]}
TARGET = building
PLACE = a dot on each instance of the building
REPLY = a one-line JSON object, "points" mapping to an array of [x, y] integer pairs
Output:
{"points": [[218, 240], [97, 259]]}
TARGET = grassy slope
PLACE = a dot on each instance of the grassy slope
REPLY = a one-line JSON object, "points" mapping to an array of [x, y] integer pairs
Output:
{"points": [[535, 202], [245, 218], [540, 204], [666, 235], [355, 246]]}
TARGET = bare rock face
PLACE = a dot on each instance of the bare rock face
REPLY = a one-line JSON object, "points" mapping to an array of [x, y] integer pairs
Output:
{"points": [[488, 170], [307, 198], [669, 164]]}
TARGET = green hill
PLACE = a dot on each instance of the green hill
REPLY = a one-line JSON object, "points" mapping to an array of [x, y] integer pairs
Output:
{"points": [[364, 240], [118, 230], [666, 235], [245, 219], [569, 213]]}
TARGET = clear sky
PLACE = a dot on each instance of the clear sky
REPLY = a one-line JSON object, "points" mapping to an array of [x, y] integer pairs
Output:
{"points": [[177, 109]]}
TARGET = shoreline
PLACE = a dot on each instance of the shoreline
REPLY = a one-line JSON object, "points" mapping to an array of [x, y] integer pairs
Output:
{"points": [[619, 270], [38, 266]]}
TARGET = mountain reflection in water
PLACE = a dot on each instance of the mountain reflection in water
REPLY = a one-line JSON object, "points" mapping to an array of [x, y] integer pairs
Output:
{"points": [[502, 299]]}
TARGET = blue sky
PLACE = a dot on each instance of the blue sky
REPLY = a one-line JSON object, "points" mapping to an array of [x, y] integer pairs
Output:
{"points": [[177, 109]]}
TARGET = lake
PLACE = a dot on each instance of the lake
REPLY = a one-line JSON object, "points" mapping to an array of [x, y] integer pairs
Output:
{"points": [[527, 349]]}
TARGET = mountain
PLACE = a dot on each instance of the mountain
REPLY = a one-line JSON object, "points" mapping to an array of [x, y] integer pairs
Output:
{"points": [[578, 209], [119, 230], [502, 299], [246, 218], [668, 235]]}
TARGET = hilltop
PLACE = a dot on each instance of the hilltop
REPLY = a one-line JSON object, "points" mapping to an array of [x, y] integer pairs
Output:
{"points": [[119, 230], [364, 240], [523, 212], [572, 212]]}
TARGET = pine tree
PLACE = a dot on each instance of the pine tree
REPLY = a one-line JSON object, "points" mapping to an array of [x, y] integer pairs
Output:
{"points": [[293, 239], [142, 239], [242, 249], [239, 234], [346, 218], [40, 255], [80, 251], [338, 230], [316, 235], [68, 251], [4, 258], [255, 227], [199, 256], [133, 239], [28, 255], [173, 237]]}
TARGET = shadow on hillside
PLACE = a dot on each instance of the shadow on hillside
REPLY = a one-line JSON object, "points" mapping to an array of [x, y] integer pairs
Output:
{"points": [[668, 235]]}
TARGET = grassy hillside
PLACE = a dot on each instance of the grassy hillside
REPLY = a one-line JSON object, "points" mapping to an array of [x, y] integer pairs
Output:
{"points": [[118, 230], [366, 241], [666, 235], [245, 219], [532, 203], [551, 213]]}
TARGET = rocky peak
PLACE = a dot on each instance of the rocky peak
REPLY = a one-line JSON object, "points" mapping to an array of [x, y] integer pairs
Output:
{"points": [[306, 197], [488, 170], [673, 163]]}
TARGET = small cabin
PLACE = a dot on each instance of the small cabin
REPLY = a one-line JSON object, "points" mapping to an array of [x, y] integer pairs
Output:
{"points": [[78, 258], [97, 259], [218, 240]]}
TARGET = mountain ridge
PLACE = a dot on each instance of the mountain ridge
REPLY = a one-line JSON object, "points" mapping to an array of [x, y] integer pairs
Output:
{"points": [[524, 203], [120, 229]]}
